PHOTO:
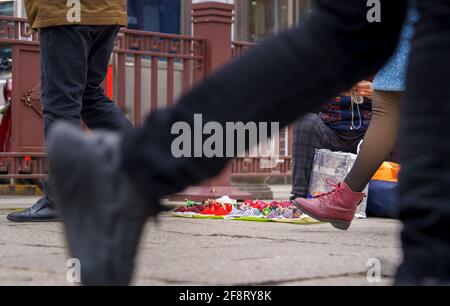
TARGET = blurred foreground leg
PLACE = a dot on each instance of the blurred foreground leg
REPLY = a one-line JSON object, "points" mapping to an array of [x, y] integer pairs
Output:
{"points": [[425, 151], [279, 81]]}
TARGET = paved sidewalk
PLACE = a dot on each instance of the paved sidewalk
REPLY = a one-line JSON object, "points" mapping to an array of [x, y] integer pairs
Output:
{"points": [[213, 252]]}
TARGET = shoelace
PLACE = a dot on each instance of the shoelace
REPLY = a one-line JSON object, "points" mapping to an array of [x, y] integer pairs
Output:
{"points": [[336, 188]]}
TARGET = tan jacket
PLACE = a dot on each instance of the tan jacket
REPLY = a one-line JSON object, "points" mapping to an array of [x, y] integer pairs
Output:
{"points": [[47, 13]]}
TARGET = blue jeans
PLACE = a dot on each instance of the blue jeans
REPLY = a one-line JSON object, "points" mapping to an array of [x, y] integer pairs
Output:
{"points": [[74, 62]]}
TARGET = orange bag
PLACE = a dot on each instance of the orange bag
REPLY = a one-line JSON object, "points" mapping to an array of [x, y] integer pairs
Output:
{"points": [[388, 172]]}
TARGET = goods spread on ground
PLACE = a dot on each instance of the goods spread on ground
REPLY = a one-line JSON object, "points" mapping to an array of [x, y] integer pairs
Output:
{"points": [[228, 209]]}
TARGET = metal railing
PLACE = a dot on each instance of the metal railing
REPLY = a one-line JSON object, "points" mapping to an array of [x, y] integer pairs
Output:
{"points": [[13, 29], [149, 72], [159, 66], [239, 48]]}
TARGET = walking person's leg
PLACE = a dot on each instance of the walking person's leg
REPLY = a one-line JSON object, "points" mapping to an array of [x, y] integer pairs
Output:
{"points": [[123, 178], [98, 111], [425, 151], [63, 54], [379, 141], [380, 138], [74, 62]]}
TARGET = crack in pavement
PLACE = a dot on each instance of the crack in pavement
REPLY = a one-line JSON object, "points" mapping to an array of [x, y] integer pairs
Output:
{"points": [[167, 281], [280, 282], [23, 256], [25, 269], [276, 240], [301, 279], [38, 245]]}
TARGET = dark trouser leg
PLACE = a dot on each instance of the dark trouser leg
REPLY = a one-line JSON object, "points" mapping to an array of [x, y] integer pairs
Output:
{"points": [[379, 140], [74, 62], [63, 77], [425, 149], [64, 53], [98, 110], [309, 134], [283, 79]]}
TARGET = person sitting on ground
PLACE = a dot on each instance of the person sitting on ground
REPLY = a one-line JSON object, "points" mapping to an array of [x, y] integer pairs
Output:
{"points": [[339, 126]]}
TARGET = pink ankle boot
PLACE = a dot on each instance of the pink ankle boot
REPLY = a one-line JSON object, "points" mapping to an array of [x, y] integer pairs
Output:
{"points": [[337, 207]]}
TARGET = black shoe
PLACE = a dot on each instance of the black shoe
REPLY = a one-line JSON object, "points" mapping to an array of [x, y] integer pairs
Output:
{"points": [[103, 214], [42, 211]]}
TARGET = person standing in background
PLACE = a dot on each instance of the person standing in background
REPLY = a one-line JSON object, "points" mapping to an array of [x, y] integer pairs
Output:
{"points": [[76, 42]]}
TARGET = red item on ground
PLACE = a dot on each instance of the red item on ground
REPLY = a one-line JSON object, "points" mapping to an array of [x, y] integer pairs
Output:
{"points": [[221, 212], [207, 211], [181, 209], [194, 209]]}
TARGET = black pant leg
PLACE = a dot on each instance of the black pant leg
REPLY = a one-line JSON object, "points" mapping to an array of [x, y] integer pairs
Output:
{"points": [[279, 81], [64, 53], [98, 110], [425, 149]]}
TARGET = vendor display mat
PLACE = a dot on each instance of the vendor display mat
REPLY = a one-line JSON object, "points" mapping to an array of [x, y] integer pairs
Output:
{"points": [[303, 220]]}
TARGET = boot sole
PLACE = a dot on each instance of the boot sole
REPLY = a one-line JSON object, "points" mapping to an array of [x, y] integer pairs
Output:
{"points": [[340, 225]]}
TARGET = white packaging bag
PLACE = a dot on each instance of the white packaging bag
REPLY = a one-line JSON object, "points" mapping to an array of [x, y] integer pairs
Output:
{"points": [[331, 168]]}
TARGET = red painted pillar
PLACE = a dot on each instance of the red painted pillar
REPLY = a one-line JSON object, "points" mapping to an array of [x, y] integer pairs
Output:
{"points": [[213, 22]]}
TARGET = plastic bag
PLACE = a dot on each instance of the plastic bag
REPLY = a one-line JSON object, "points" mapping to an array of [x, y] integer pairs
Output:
{"points": [[331, 168]]}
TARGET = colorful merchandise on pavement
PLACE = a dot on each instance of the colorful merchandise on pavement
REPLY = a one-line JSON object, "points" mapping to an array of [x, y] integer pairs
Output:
{"points": [[259, 211]]}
